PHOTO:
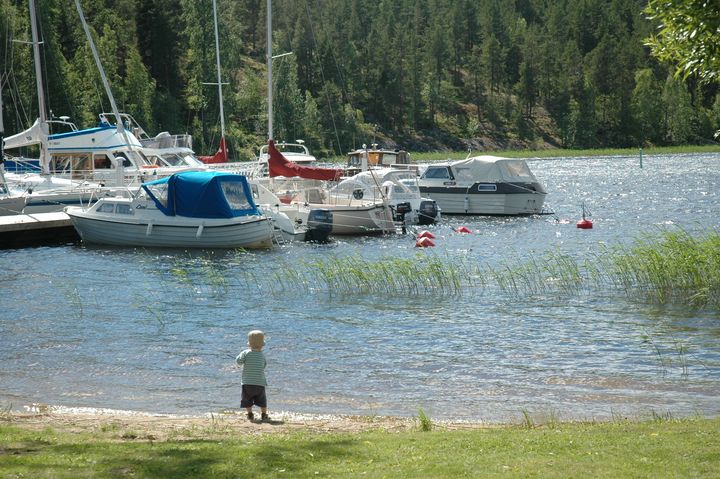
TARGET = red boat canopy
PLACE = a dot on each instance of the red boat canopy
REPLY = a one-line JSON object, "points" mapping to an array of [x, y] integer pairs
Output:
{"points": [[221, 156], [280, 166]]}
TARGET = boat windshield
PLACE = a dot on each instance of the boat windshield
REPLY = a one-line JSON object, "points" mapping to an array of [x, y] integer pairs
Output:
{"points": [[437, 173], [160, 192]]}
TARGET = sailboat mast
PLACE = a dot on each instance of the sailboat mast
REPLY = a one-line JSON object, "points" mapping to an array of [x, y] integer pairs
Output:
{"points": [[269, 69], [42, 113], [116, 112], [219, 81]]}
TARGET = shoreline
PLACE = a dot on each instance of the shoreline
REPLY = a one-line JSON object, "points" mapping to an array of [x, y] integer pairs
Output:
{"points": [[159, 426]]}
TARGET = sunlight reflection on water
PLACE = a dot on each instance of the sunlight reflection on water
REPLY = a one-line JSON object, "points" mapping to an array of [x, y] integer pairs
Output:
{"points": [[158, 331]]}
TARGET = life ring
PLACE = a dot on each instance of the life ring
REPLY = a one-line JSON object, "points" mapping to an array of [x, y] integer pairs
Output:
{"points": [[358, 194]]}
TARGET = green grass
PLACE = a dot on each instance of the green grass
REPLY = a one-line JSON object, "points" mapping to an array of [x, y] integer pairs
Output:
{"points": [[656, 448]]}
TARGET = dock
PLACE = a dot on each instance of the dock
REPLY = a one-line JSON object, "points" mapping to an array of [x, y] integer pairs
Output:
{"points": [[19, 231]]}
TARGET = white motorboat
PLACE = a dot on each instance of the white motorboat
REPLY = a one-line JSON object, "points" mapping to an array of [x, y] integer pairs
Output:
{"points": [[187, 210], [293, 222], [483, 185], [399, 188], [305, 185]]}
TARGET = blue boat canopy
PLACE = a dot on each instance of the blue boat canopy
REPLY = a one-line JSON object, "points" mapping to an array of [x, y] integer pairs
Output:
{"points": [[203, 194]]}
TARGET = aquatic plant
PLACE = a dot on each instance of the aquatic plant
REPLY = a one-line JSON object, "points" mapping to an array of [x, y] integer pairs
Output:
{"points": [[674, 267], [389, 275]]}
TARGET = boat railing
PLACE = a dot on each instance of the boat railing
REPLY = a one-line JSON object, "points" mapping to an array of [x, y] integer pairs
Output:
{"points": [[19, 164]]}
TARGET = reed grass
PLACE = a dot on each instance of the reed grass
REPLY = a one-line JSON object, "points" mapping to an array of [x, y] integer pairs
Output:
{"points": [[672, 268], [420, 274]]}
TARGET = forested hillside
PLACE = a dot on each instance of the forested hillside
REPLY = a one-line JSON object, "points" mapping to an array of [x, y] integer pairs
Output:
{"points": [[420, 74]]}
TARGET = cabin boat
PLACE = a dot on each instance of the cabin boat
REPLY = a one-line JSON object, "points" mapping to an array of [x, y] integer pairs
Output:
{"points": [[483, 185], [194, 209], [375, 157]]}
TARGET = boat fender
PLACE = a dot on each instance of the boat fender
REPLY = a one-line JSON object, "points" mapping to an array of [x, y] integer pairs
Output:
{"points": [[424, 243], [425, 234], [463, 229], [199, 231]]}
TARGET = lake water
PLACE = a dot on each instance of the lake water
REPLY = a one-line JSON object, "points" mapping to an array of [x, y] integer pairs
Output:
{"points": [[158, 330]]}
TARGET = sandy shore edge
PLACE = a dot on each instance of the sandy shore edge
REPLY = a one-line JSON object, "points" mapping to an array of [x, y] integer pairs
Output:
{"points": [[153, 426]]}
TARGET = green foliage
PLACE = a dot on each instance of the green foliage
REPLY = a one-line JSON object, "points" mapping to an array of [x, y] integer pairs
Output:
{"points": [[688, 36]]}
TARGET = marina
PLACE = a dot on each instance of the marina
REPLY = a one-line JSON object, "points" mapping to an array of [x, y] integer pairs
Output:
{"points": [[156, 329]]}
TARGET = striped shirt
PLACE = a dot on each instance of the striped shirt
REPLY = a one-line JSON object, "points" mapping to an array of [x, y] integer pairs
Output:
{"points": [[253, 363]]}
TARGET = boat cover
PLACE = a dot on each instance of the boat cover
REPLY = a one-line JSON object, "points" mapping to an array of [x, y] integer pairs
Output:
{"points": [[203, 194], [494, 169], [280, 166]]}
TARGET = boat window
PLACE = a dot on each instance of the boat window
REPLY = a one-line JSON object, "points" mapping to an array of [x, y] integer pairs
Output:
{"points": [[516, 168], [75, 163], [388, 159], [235, 195], [126, 162], [463, 174], [102, 162], [123, 209], [437, 173], [160, 192], [106, 208], [487, 187]]}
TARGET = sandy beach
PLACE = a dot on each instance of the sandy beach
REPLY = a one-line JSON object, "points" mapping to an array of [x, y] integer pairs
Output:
{"points": [[157, 427]]}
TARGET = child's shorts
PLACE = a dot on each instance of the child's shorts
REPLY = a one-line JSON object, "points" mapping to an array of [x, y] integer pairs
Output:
{"points": [[253, 395]]}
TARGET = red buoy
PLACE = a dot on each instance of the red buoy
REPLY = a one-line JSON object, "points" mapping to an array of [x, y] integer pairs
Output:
{"points": [[426, 234], [584, 224], [424, 243], [463, 229]]}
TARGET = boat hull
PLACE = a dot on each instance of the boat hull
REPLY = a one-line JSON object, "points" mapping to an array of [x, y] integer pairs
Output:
{"points": [[507, 200], [348, 220], [253, 232]]}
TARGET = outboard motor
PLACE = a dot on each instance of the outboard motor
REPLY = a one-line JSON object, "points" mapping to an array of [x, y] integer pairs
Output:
{"points": [[319, 225], [400, 210], [428, 213]]}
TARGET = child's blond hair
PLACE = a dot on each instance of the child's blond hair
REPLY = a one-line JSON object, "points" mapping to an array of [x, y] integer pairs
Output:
{"points": [[256, 339]]}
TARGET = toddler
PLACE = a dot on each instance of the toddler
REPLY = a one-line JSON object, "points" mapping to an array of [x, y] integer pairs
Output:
{"points": [[253, 375]]}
